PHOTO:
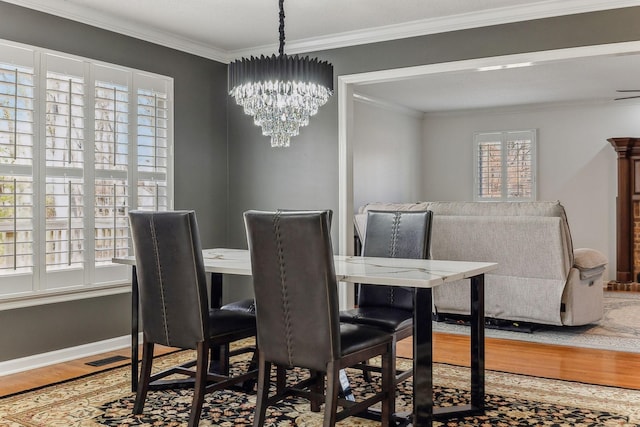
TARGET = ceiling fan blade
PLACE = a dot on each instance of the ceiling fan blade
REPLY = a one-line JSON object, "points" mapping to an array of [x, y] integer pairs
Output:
{"points": [[628, 90], [627, 97]]}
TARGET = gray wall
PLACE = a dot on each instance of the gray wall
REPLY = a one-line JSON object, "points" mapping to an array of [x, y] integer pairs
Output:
{"points": [[575, 163], [200, 136], [387, 154]]}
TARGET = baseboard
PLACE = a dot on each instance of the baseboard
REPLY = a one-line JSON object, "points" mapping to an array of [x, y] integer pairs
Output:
{"points": [[64, 355]]}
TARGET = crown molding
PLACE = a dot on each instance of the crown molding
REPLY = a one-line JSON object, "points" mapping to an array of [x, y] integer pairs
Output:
{"points": [[546, 9], [172, 41], [423, 27]]}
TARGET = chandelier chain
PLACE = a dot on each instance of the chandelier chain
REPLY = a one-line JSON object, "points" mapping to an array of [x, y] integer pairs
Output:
{"points": [[281, 29]]}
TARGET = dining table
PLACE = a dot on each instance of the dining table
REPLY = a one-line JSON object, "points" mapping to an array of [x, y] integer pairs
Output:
{"points": [[421, 274]]}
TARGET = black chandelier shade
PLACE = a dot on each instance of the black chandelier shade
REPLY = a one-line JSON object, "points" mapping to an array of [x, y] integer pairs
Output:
{"points": [[282, 68]]}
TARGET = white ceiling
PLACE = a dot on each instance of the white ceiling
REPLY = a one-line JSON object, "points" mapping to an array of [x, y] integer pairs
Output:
{"points": [[228, 29], [590, 80]]}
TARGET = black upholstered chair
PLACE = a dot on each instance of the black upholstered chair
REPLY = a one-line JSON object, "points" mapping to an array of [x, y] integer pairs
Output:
{"points": [[401, 234], [175, 309], [248, 305], [298, 317]]}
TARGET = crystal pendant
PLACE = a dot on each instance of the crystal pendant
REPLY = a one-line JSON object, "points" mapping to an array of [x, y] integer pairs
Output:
{"points": [[280, 108]]}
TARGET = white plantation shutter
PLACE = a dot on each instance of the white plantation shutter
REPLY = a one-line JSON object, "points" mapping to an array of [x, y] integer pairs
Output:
{"points": [[504, 165], [519, 148], [64, 164], [81, 143], [112, 127], [153, 144], [17, 110]]}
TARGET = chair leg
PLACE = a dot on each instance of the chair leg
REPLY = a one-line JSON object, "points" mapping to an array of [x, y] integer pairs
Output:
{"points": [[224, 359], [249, 384], [366, 374], [201, 383], [145, 377], [219, 359], [388, 385], [331, 397], [281, 379], [264, 373], [317, 390], [392, 374]]}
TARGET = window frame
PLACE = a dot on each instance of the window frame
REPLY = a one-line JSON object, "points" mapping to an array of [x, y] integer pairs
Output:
{"points": [[97, 278], [504, 137]]}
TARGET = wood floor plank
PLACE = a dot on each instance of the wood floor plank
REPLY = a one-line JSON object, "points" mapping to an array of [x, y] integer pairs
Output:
{"points": [[602, 367], [610, 368], [35, 378]]}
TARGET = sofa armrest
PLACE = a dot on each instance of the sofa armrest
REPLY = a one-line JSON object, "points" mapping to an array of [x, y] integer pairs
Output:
{"points": [[589, 262]]}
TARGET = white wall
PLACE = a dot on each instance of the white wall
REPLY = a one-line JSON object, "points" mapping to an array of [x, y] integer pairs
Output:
{"points": [[576, 164], [387, 154]]}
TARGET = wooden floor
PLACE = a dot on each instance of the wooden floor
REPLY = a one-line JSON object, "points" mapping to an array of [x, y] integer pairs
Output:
{"points": [[551, 361], [612, 368], [10, 384]]}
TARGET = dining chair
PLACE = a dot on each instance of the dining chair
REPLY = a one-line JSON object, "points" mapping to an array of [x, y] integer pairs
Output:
{"points": [[248, 305], [391, 234], [175, 309], [297, 313]]}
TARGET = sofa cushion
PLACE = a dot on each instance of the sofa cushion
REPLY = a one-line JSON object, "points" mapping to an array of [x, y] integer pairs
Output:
{"points": [[523, 246], [542, 208]]}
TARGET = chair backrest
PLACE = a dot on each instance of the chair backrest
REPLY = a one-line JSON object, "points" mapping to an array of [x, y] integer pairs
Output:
{"points": [[171, 277], [295, 287], [394, 234]]}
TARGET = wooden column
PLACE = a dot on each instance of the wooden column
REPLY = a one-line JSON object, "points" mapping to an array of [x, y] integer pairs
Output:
{"points": [[628, 150]]}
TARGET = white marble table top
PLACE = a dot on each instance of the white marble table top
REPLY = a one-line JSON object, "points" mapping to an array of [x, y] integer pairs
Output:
{"points": [[419, 273]]}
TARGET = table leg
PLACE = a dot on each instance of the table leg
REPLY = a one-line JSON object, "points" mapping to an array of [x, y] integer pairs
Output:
{"points": [[477, 342], [135, 304], [423, 407], [216, 290], [218, 359], [422, 358]]}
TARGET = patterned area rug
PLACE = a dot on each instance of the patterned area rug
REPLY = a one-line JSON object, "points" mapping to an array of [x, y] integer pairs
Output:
{"points": [[618, 330], [104, 399]]}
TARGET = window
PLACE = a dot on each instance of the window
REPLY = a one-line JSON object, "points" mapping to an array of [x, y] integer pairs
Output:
{"points": [[81, 143], [505, 166]]}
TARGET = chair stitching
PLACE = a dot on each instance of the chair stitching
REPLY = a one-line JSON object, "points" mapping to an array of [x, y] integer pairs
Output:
{"points": [[283, 288], [395, 229], [154, 239]]}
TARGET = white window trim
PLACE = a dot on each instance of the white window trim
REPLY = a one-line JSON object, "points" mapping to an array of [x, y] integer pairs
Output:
{"points": [[476, 181], [118, 278]]}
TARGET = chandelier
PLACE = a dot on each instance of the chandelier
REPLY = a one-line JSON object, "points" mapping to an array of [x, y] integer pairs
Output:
{"points": [[280, 92]]}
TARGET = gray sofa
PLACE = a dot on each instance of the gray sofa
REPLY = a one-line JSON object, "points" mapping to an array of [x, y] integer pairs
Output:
{"points": [[540, 277]]}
